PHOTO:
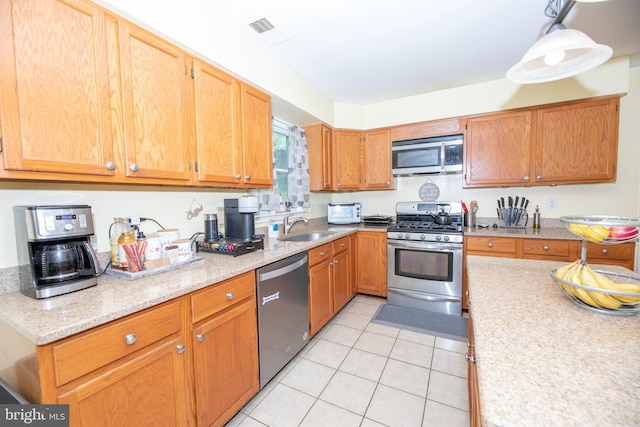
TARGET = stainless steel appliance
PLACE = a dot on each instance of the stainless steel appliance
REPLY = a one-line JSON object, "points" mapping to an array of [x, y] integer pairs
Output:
{"points": [[283, 313], [424, 265], [427, 155], [55, 256], [344, 213]]}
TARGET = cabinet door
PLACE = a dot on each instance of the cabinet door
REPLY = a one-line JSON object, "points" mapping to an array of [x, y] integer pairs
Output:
{"points": [[256, 137], [372, 263], [218, 131], [148, 388], [497, 149], [577, 142], [347, 159], [341, 283], [320, 295], [157, 108], [377, 160], [55, 107], [225, 363], [319, 145]]}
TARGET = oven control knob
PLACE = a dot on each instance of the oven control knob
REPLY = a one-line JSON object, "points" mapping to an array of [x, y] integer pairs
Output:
{"points": [[446, 238], [399, 235], [68, 227], [422, 237], [438, 238], [406, 236]]}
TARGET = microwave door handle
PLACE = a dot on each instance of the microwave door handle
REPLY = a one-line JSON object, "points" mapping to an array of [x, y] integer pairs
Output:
{"points": [[442, 155]]}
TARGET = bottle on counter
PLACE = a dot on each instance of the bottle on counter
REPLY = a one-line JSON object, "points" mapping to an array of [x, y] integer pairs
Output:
{"points": [[117, 229], [536, 218], [128, 235]]}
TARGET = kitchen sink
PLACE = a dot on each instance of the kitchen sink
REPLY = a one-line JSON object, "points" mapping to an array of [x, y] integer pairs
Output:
{"points": [[307, 237]]}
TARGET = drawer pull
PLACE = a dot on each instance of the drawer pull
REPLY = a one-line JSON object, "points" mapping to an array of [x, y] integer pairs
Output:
{"points": [[230, 296], [342, 245], [134, 167], [335, 261], [490, 244], [470, 358], [322, 253], [181, 348], [131, 339], [200, 337], [546, 248], [605, 251], [110, 166]]}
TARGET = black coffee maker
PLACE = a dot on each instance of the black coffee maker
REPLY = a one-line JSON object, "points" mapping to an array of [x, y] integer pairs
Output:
{"points": [[55, 256], [239, 221]]}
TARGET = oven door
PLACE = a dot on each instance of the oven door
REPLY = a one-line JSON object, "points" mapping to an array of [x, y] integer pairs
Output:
{"points": [[425, 275]]}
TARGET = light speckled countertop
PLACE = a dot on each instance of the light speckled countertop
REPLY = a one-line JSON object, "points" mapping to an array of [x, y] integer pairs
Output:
{"points": [[543, 361], [47, 320]]}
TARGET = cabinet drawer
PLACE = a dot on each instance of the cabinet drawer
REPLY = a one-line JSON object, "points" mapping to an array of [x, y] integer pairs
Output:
{"points": [[88, 351], [547, 249], [621, 251], [320, 253], [494, 246], [220, 296], [340, 245]]}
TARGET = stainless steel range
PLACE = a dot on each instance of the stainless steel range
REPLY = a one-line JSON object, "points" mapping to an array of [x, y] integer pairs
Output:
{"points": [[425, 257]]}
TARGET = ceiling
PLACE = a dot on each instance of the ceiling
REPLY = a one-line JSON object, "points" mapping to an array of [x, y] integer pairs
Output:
{"points": [[390, 49]]}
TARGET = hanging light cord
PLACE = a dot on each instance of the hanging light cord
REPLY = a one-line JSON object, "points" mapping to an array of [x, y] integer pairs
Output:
{"points": [[555, 9]]}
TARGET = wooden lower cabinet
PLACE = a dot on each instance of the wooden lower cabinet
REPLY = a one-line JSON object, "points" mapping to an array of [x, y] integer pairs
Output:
{"points": [[330, 281], [622, 254], [472, 378], [225, 349], [371, 256]]}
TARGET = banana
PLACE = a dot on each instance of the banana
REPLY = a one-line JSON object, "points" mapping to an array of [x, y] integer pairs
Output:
{"points": [[602, 299], [605, 283], [564, 273], [576, 229], [594, 233], [580, 293]]}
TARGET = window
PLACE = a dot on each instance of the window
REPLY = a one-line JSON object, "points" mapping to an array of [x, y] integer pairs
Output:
{"points": [[290, 172]]}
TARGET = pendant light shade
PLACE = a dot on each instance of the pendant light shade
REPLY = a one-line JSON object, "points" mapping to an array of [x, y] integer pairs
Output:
{"points": [[560, 54]]}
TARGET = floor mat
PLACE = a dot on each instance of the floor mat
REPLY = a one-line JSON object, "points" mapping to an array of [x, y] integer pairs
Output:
{"points": [[441, 325]]}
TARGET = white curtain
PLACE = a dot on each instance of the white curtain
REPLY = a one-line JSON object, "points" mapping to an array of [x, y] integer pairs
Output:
{"points": [[298, 182]]}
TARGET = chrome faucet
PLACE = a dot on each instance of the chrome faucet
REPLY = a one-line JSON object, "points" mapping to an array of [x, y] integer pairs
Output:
{"points": [[287, 225]]}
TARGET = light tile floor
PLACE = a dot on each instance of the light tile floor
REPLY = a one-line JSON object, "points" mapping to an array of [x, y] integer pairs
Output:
{"points": [[357, 373]]}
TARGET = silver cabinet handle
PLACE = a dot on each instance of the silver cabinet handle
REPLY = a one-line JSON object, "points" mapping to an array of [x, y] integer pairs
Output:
{"points": [[490, 244], [470, 345], [335, 261], [342, 245], [181, 348], [247, 177], [322, 253], [538, 177], [238, 176], [467, 294], [545, 248], [338, 184], [526, 178], [230, 296], [605, 251], [110, 166], [131, 339], [200, 337], [469, 358], [134, 167]]}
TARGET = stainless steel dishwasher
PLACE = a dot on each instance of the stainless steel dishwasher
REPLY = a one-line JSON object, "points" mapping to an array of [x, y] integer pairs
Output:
{"points": [[283, 313]]}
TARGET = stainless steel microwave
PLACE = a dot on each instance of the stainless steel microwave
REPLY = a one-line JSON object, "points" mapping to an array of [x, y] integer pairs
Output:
{"points": [[427, 155]]}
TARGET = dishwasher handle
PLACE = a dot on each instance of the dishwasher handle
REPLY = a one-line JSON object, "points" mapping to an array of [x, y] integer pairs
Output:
{"points": [[283, 270]]}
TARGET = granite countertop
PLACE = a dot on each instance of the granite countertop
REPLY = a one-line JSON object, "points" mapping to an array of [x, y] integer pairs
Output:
{"points": [[542, 360], [47, 320], [559, 232]]}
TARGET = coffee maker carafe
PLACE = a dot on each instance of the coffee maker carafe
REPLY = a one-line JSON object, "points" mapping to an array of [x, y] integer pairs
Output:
{"points": [[55, 256], [239, 221]]}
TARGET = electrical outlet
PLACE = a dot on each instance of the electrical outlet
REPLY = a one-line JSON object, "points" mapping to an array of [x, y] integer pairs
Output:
{"points": [[552, 204], [134, 218]]}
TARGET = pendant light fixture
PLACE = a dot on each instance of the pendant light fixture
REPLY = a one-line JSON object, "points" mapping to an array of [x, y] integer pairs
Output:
{"points": [[560, 53]]}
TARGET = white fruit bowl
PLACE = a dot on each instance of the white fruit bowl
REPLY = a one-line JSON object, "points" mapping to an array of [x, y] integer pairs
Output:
{"points": [[570, 290], [603, 229]]}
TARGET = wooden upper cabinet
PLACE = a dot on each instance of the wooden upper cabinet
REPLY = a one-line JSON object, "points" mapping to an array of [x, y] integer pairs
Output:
{"points": [[157, 108], [347, 159], [256, 137], [497, 149], [218, 131], [377, 160], [428, 129], [577, 142], [55, 106], [320, 159]]}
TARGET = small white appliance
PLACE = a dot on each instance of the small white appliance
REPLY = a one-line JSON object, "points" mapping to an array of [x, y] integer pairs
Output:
{"points": [[344, 213]]}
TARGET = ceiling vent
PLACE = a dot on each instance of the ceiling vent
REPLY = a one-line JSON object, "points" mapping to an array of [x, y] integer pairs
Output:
{"points": [[268, 32], [262, 25]]}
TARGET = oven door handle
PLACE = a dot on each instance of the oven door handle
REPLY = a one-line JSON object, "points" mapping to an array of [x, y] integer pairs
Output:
{"points": [[423, 296], [410, 244]]}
